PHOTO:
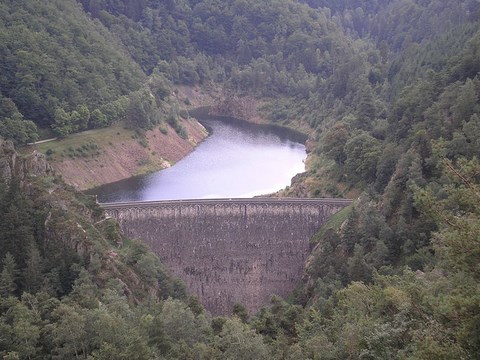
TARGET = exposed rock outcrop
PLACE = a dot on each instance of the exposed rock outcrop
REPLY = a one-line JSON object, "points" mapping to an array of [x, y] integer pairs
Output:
{"points": [[230, 104], [70, 229], [12, 166]]}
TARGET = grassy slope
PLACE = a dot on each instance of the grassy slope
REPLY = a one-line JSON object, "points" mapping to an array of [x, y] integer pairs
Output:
{"points": [[101, 156]]}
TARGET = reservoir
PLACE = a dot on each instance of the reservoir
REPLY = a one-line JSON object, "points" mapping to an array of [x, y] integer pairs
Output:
{"points": [[236, 160]]}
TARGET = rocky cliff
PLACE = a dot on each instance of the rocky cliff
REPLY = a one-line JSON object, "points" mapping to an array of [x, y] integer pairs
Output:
{"points": [[12, 166], [38, 210]]}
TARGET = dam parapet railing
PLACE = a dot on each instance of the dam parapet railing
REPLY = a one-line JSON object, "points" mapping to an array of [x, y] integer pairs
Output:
{"points": [[256, 200]]}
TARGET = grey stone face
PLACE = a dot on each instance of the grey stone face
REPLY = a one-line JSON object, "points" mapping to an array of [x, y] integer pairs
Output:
{"points": [[230, 250]]}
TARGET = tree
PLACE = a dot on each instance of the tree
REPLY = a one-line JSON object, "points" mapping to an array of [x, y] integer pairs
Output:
{"points": [[69, 332], [8, 276], [241, 312], [26, 332], [19, 130], [16, 225], [98, 119], [62, 124], [362, 152], [386, 166], [334, 142], [471, 130], [116, 111], [113, 334], [456, 216], [12, 124], [366, 111], [159, 86], [457, 243], [32, 275], [83, 117], [143, 112], [466, 103], [237, 341], [180, 323], [84, 291], [195, 306], [358, 270]]}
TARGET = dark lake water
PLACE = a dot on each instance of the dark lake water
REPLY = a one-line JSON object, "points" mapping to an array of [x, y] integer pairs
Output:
{"points": [[238, 159]]}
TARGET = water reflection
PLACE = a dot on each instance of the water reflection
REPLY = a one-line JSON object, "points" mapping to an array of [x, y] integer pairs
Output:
{"points": [[237, 160]]}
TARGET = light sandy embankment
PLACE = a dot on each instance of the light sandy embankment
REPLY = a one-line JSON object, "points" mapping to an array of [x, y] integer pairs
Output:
{"points": [[120, 153]]}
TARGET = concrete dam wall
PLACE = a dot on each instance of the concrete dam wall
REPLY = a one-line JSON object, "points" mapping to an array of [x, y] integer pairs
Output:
{"points": [[229, 250]]}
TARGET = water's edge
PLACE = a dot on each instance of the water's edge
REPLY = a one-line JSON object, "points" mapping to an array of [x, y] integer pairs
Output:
{"points": [[240, 159]]}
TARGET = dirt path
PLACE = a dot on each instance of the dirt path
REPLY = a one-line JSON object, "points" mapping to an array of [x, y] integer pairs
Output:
{"points": [[43, 141]]}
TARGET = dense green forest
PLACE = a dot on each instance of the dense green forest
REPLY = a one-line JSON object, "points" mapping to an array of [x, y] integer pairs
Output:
{"points": [[390, 94]]}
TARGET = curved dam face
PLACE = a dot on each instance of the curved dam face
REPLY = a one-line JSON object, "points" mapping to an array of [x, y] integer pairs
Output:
{"points": [[229, 250]]}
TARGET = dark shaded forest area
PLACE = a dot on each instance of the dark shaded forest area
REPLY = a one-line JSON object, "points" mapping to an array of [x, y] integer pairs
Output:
{"points": [[389, 93]]}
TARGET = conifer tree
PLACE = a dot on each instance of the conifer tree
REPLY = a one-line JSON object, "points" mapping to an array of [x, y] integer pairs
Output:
{"points": [[8, 276]]}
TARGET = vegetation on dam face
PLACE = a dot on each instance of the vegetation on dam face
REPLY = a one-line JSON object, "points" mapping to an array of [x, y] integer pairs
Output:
{"points": [[388, 92]]}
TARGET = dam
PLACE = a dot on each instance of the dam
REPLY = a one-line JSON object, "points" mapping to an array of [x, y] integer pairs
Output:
{"points": [[229, 250]]}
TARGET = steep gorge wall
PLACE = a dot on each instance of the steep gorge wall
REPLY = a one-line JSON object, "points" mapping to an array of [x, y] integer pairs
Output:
{"points": [[228, 251]]}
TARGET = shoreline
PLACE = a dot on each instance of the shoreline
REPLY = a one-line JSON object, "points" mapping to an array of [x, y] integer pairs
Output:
{"points": [[94, 158], [122, 154]]}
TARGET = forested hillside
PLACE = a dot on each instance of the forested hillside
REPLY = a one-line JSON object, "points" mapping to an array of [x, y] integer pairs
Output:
{"points": [[63, 71], [56, 59], [388, 91]]}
